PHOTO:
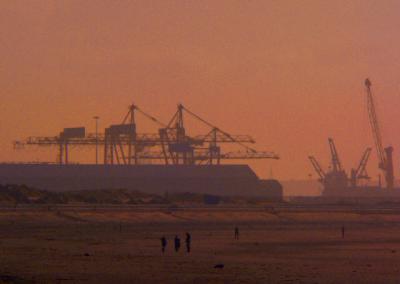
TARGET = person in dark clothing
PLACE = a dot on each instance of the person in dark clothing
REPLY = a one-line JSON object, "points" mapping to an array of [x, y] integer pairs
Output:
{"points": [[236, 233], [163, 244], [343, 232], [177, 243], [188, 242]]}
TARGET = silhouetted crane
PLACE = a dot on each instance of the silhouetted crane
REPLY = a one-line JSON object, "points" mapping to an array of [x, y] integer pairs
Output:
{"points": [[384, 154], [335, 179], [171, 145]]}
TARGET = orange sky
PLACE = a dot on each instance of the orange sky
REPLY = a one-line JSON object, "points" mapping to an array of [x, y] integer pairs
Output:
{"points": [[290, 73]]}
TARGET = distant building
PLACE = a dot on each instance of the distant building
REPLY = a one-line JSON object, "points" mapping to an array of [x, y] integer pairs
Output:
{"points": [[223, 180]]}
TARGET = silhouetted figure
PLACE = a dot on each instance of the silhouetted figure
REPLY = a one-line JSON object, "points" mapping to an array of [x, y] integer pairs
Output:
{"points": [[236, 233], [188, 242], [163, 244], [342, 232], [177, 243]]}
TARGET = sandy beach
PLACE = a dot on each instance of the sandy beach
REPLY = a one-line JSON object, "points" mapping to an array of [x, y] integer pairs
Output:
{"points": [[73, 245]]}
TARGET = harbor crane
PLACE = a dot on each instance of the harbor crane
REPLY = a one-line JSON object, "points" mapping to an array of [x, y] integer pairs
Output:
{"points": [[384, 154], [170, 146], [336, 177]]}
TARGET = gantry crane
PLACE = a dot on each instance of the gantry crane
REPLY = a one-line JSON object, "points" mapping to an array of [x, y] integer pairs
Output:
{"points": [[384, 154], [122, 143], [171, 145], [179, 148]]}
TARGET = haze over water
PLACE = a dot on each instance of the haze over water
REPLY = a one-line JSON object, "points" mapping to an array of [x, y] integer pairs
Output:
{"points": [[289, 73]]}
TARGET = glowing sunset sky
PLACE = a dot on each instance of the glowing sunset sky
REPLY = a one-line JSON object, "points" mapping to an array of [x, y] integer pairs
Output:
{"points": [[289, 73]]}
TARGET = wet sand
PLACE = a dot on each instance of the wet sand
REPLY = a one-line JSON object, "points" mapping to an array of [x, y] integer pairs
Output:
{"points": [[123, 246]]}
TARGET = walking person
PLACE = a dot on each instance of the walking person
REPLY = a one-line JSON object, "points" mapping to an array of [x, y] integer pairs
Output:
{"points": [[188, 242], [236, 233], [177, 243], [163, 244]]}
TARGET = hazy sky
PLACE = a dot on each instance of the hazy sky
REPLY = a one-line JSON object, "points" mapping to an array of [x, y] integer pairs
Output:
{"points": [[290, 73]]}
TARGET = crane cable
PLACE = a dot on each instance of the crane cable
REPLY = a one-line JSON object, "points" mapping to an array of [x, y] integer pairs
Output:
{"points": [[219, 130]]}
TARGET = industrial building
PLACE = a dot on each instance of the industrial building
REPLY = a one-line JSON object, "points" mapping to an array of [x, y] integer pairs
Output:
{"points": [[223, 180]]}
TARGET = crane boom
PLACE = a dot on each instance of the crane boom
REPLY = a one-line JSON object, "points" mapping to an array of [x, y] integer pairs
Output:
{"points": [[317, 168], [384, 154], [373, 119], [361, 169], [337, 166]]}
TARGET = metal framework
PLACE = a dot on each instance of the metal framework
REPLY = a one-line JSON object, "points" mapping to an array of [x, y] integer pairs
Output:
{"points": [[337, 175], [336, 164], [384, 154], [171, 145], [360, 173], [318, 169]]}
